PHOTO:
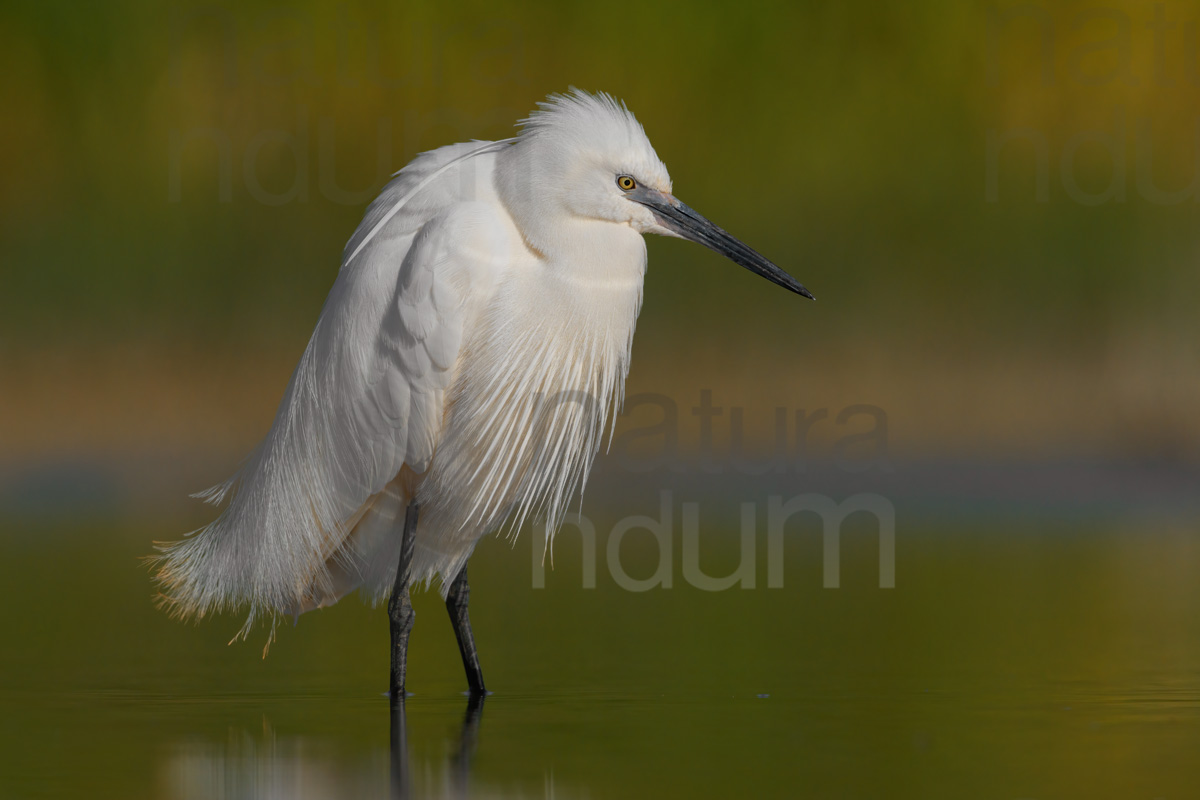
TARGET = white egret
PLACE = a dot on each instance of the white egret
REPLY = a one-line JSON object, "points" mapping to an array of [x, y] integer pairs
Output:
{"points": [[461, 374]]}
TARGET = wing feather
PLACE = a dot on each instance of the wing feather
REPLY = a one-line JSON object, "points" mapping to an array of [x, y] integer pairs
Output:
{"points": [[366, 401]]}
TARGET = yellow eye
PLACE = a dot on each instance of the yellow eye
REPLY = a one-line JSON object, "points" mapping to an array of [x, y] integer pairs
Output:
{"points": [[626, 183]]}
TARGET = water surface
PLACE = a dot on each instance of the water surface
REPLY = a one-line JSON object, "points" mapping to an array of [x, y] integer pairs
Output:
{"points": [[1016, 660]]}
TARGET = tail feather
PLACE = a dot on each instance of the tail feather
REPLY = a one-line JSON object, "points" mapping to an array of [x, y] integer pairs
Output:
{"points": [[366, 558], [210, 572]]}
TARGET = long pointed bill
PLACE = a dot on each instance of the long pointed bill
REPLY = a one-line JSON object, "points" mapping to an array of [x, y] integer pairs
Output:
{"points": [[684, 222]]}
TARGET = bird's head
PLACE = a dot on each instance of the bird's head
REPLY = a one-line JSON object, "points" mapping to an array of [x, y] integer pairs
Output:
{"points": [[587, 157]]}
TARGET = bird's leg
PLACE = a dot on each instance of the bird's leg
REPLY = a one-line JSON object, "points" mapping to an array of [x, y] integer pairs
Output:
{"points": [[456, 604], [400, 610]]}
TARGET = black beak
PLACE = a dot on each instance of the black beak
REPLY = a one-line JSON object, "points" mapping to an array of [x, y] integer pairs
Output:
{"points": [[684, 222]]}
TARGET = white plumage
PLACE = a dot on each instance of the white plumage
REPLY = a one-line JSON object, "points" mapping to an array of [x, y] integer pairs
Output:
{"points": [[469, 356], [446, 332]]}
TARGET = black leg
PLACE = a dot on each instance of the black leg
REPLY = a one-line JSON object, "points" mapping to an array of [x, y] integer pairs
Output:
{"points": [[400, 610], [456, 604]]}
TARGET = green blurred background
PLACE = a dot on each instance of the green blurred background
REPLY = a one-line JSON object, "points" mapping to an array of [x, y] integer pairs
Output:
{"points": [[978, 196], [995, 206]]}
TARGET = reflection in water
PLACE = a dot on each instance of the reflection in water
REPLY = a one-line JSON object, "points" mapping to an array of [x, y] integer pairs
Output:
{"points": [[1009, 662], [459, 762], [303, 768]]}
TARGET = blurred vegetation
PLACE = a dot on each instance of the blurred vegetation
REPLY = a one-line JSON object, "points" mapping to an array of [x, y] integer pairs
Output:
{"points": [[189, 173], [847, 140]]}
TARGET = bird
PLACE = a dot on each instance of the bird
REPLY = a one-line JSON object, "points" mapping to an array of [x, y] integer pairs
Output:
{"points": [[459, 381]]}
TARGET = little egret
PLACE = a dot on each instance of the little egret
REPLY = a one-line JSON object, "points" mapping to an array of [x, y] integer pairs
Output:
{"points": [[461, 375]]}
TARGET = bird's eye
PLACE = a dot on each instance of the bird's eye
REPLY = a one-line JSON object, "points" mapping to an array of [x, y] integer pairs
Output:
{"points": [[626, 183]]}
